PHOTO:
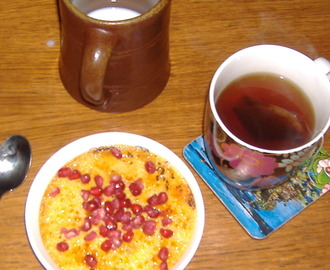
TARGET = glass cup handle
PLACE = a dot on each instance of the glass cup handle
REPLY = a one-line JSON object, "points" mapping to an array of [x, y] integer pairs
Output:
{"points": [[324, 66], [96, 53]]}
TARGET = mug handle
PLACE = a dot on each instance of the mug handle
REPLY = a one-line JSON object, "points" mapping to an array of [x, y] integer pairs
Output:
{"points": [[324, 66], [96, 54]]}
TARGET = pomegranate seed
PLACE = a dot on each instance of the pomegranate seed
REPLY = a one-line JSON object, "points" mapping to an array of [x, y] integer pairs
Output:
{"points": [[114, 234], [99, 214], [91, 206], [74, 175], [115, 178], [162, 198], [120, 195], [118, 214], [84, 204], [149, 227], [151, 212], [126, 203], [106, 245], [109, 210], [96, 191], [163, 254], [129, 226], [87, 225], [62, 246], [98, 199], [103, 231], [115, 203], [136, 187], [90, 260], [166, 232], [70, 233], [138, 221], [54, 192], [85, 178], [114, 237], [98, 181], [116, 152], [85, 194], [166, 221], [64, 172], [128, 236], [109, 190], [163, 266], [95, 220], [136, 209], [116, 242], [153, 200], [150, 167], [119, 186], [111, 224], [91, 236], [126, 217]]}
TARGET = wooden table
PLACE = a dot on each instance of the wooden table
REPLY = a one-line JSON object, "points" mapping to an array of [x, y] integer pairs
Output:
{"points": [[34, 103]]}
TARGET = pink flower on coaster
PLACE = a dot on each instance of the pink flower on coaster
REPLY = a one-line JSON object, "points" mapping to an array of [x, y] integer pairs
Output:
{"points": [[248, 162], [325, 189], [324, 164]]}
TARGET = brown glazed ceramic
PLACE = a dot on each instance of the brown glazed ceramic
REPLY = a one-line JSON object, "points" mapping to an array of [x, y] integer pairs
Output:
{"points": [[114, 66]]}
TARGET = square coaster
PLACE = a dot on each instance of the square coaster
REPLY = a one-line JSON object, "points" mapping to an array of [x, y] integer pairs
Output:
{"points": [[262, 212]]}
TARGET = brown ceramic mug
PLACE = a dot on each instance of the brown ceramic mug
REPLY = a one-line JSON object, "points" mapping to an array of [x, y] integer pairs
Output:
{"points": [[114, 64]]}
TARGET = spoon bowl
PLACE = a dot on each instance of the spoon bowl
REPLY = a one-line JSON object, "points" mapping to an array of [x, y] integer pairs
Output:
{"points": [[15, 161]]}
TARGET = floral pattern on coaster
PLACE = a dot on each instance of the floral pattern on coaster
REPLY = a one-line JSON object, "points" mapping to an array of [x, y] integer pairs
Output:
{"points": [[262, 212]]}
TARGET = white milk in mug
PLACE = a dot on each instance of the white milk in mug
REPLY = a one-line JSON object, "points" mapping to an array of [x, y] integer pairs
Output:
{"points": [[113, 14]]}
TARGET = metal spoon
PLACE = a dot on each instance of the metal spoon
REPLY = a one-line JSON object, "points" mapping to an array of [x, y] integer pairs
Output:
{"points": [[15, 161]]}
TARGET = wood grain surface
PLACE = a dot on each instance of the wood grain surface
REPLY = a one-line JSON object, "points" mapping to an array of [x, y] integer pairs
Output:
{"points": [[203, 34]]}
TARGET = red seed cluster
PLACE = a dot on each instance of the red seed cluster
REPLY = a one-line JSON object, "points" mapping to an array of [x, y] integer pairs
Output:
{"points": [[108, 209]]}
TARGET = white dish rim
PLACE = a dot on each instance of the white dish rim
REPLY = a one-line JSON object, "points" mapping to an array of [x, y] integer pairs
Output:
{"points": [[79, 146]]}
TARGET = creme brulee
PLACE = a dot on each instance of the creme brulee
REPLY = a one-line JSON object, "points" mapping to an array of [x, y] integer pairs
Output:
{"points": [[118, 207]]}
